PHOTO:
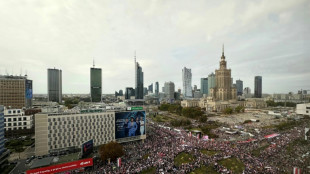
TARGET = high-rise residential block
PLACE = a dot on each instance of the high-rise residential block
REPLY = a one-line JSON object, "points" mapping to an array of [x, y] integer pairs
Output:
{"points": [[187, 82], [239, 85], [54, 85], [169, 90], [258, 87], [204, 86], [95, 84], [15, 91]]}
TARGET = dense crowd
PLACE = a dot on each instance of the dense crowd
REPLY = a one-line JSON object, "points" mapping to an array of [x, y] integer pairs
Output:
{"points": [[163, 145]]}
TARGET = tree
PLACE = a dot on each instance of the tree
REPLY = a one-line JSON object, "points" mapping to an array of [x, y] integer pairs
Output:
{"points": [[239, 109], [112, 150], [228, 110]]}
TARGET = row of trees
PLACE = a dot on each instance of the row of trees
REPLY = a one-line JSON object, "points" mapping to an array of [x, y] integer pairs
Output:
{"points": [[194, 113], [275, 104], [238, 109], [181, 122]]}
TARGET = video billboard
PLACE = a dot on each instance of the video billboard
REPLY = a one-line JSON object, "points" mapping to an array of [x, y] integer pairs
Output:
{"points": [[28, 89], [129, 124], [87, 148]]}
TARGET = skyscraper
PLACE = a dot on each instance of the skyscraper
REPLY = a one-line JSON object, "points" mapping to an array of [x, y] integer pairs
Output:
{"points": [[223, 89], [129, 92], [239, 84], [211, 82], [187, 82], [139, 89], [54, 85], [258, 87], [95, 84], [151, 88], [156, 89], [169, 90], [204, 86]]}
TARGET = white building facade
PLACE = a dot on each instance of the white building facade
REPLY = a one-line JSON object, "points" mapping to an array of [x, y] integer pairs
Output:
{"points": [[303, 109], [57, 132], [187, 82], [15, 119]]}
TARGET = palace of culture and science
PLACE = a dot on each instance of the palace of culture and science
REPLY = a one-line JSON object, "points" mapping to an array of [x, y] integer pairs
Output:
{"points": [[223, 89]]}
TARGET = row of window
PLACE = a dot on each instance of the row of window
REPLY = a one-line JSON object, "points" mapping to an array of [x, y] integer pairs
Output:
{"points": [[99, 120], [68, 144], [90, 117], [18, 128], [71, 130], [15, 119], [15, 124]]}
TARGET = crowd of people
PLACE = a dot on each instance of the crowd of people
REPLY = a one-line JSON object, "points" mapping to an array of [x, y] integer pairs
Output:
{"points": [[162, 145]]}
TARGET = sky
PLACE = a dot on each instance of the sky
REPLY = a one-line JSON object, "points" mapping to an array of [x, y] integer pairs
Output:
{"points": [[261, 37]]}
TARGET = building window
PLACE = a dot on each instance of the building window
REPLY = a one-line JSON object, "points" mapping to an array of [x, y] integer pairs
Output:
{"points": [[14, 111], [18, 111], [307, 111], [14, 119], [19, 119], [25, 118], [10, 112], [25, 123]]}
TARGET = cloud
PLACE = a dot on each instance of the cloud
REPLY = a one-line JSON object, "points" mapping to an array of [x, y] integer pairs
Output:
{"points": [[261, 38]]}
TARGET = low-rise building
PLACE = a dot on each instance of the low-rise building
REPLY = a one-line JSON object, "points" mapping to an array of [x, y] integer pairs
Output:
{"points": [[303, 109], [15, 119]]}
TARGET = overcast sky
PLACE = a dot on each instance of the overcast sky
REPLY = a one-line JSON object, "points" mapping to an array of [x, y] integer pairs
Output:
{"points": [[261, 37]]}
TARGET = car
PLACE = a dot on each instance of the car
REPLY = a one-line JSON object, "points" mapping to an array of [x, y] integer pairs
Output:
{"points": [[39, 157]]}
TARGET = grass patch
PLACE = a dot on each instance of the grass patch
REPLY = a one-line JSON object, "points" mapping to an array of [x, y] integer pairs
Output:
{"points": [[204, 169], [7, 169], [28, 142], [233, 164], [183, 158], [209, 152], [145, 156], [151, 170], [257, 151]]}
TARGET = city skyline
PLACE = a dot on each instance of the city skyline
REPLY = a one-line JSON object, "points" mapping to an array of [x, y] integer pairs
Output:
{"points": [[68, 35]]}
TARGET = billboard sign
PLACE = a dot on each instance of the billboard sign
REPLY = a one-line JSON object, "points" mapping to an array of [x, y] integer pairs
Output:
{"points": [[28, 89], [63, 167], [87, 148], [129, 124], [134, 108]]}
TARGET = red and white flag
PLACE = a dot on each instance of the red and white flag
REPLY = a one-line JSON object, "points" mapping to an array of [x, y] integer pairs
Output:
{"points": [[296, 170], [119, 162]]}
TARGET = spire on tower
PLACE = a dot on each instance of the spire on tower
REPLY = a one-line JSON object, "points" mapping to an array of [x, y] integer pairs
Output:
{"points": [[135, 57], [223, 50], [93, 63]]}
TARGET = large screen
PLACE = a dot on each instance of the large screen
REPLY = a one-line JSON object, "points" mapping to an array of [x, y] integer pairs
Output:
{"points": [[28, 89], [87, 148], [129, 124]]}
